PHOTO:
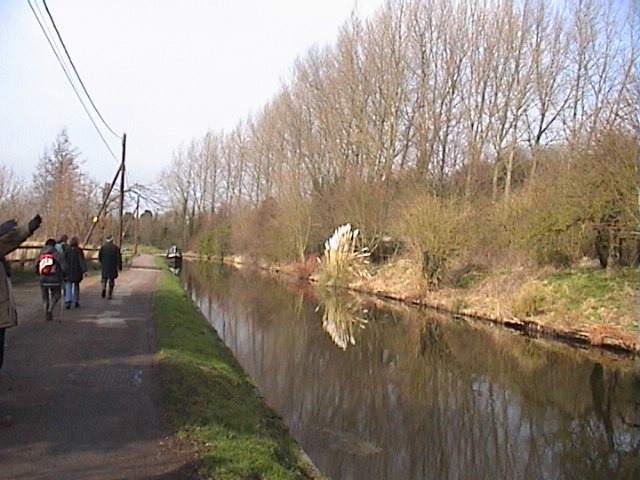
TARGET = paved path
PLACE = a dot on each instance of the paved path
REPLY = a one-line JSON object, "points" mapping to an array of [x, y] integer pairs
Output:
{"points": [[83, 389]]}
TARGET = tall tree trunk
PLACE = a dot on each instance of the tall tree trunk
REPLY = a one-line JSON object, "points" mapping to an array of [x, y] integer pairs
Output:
{"points": [[508, 174], [494, 181]]}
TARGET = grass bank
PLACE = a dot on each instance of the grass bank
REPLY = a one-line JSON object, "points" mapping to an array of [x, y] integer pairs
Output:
{"points": [[212, 403]]}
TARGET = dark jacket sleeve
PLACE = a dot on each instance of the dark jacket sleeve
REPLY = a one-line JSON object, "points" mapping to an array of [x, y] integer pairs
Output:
{"points": [[13, 239], [62, 262], [83, 261]]}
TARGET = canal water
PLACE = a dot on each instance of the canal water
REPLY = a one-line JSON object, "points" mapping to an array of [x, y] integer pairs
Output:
{"points": [[375, 390]]}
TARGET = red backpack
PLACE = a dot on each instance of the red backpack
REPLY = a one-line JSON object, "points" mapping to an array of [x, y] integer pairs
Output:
{"points": [[47, 264]]}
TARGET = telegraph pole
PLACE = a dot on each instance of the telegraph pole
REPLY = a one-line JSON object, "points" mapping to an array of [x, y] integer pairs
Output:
{"points": [[122, 170], [96, 218]]}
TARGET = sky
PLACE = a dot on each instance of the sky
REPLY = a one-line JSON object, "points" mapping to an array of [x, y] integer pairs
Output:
{"points": [[162, 71]]}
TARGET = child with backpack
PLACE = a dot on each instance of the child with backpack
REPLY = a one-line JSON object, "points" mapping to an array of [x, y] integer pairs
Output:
{"points": [[50, 267]]}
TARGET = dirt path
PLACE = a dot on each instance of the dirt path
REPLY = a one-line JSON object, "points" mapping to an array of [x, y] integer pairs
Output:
{"points": [[83, 390]]}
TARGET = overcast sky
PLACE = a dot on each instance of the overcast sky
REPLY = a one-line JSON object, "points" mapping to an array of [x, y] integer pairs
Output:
{"points": [[161, 71]]}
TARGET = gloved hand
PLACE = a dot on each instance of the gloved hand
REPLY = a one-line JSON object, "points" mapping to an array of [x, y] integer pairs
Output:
{"points": [[34, 223], [7, 226]]}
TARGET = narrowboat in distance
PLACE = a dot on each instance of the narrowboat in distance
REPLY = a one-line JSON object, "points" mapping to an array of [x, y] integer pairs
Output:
{"points": [[174, 257]]}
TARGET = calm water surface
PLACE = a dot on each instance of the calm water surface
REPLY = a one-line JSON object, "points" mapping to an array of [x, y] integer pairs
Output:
{"points": [[374, 391]]}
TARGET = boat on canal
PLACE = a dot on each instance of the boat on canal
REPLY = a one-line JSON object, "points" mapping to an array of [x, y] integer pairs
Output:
{"points": [[174, 257]]}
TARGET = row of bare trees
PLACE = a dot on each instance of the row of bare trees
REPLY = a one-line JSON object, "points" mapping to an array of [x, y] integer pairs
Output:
{"points": [[60, 191], [69, 200], [476, 100]]}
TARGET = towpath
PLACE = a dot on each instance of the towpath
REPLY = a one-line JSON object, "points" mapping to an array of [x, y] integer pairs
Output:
{"points": [[84, 389]]}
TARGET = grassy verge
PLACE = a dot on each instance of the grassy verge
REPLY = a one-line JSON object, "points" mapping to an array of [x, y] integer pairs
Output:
{"points": [[595, 296], [213, 403]]}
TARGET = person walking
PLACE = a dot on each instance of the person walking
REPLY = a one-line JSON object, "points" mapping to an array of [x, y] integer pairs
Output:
{"points": [[61, 246], [11, 236], [6, 268], [76, 268], [111, 262], [51, 267]]}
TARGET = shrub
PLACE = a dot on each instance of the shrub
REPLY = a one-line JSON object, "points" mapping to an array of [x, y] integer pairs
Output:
{"points": [[458, 305], [437, 230], [214, 242], [528, 301]]}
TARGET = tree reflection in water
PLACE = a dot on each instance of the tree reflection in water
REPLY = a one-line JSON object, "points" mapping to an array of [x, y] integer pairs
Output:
{"points": [[420, 395]]}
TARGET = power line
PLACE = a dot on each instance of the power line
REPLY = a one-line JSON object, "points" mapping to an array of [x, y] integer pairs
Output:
{"points": [[44, 2], [66, 72]]}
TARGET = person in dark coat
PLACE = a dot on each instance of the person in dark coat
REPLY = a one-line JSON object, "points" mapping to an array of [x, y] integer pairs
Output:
{"points": [[51, 267], [11, 236], [111, 262], [76, 268]]}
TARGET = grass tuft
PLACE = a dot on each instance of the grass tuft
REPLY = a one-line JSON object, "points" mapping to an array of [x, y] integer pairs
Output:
{"points": [[341, 256], [529, 300]]}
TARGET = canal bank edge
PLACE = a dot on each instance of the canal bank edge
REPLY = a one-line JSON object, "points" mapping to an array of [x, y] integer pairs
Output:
{"points": [[393, 286], [447, 300], [212, 402]]}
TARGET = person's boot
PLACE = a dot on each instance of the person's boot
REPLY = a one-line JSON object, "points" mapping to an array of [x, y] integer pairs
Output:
{"points": [[46, 311], [104, 292], [110, 293], [67, 305], [77, 304]]}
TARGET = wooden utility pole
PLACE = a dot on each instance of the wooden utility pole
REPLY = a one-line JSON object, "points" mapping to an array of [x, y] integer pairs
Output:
{"points": [[122, 170], [102, 207]]}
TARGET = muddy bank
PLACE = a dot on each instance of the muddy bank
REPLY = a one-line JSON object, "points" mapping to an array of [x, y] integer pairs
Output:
{"points": [[603, 336]]}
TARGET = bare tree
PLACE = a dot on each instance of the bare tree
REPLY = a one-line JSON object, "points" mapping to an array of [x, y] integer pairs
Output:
{"points": [[385, 65], [549, 57], [12, 194], [63, 194], [211, 145], [476, 96], [447, 95], [601, 68]]}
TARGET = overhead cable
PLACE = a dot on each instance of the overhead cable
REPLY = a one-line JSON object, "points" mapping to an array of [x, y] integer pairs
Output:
{"points": [[76, 71], [66, 72]]}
